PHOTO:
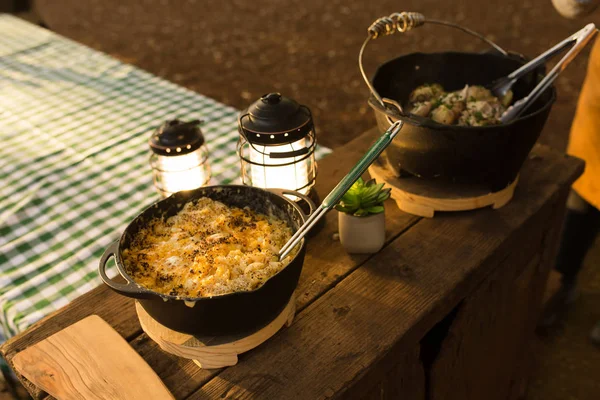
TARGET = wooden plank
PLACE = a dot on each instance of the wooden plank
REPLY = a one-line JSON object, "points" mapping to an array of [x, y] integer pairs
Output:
{"points": [[405, 379], [325, 264], [388, 304], [89, 360], [479, 356], [537, 291], [486, 354], [115, 309]]}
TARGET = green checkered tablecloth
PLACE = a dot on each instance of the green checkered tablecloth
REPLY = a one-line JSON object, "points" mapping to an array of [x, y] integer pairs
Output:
{"points": [[74, 170]]}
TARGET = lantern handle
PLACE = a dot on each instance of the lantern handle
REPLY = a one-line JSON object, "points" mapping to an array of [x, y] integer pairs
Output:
{"points": [[193, 122], [241, 128], [289, 154]]}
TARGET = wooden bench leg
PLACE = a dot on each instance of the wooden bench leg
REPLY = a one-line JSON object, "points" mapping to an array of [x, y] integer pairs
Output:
{"points": [[11, 383]]}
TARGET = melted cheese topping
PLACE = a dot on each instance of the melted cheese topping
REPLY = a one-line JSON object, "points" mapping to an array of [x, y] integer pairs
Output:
{"points": [[208, 249]]}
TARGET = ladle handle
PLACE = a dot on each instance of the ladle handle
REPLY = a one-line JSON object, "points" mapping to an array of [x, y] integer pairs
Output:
{"points": [[403, 22], [361, 166]]}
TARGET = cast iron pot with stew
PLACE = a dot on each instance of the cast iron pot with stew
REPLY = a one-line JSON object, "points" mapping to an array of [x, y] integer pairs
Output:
{"points": [[233, 313], [490, 156]]}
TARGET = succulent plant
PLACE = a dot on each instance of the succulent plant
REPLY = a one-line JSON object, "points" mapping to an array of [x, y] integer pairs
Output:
{"points": [[363, 198]]}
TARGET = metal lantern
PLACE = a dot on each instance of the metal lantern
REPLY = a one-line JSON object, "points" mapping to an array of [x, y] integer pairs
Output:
{"points": [[179, 157], [277, 144]]}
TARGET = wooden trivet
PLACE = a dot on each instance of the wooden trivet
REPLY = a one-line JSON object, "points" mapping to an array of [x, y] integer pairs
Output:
{"points": [[212, 351], [424, 197]]}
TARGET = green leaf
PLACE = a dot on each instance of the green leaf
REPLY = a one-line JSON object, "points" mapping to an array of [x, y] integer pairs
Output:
{"points": [[355, 190], [375, 210], [369, 198], [376, 188], [345, 209], [361, 213], [379, 186], [383, 196], [371, 192], [362, 197], [349, 197], [370, 182]]}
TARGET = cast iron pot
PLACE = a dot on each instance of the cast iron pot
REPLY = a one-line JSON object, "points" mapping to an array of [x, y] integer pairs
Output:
{"points": [[490, 155], [233, 313]]}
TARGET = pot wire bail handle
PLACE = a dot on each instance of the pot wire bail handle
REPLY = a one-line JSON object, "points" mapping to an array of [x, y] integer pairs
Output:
{"points": [[342, 187], [403, 22]]}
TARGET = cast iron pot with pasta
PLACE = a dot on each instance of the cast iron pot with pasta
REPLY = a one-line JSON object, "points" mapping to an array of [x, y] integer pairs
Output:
{"points": [[489, 155], [233, 313]]}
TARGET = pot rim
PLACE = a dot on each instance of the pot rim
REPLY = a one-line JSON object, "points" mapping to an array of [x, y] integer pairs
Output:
{"points": [[145, 291], [427, 123]]}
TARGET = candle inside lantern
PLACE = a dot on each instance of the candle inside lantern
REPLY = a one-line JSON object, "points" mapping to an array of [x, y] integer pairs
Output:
{"points": [[179, 157], [284, 173], [176, 173]]}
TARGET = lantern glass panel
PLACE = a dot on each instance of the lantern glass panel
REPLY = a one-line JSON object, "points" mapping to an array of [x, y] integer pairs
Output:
{"points": [[174, 173], [293, 173]]}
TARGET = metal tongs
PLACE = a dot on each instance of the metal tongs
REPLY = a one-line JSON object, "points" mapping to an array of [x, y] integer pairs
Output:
{"points": [[499, 88], [336, 194]]}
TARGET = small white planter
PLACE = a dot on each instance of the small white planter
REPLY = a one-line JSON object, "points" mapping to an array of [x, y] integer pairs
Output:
{"points": [[361, 235]]}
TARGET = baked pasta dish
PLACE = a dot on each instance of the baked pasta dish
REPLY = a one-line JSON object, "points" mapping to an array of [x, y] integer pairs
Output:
{"points": [[208, 249]]}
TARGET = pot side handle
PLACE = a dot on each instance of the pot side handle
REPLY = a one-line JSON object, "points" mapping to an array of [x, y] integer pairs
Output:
{"points": [[126, 289], [311, 204]]}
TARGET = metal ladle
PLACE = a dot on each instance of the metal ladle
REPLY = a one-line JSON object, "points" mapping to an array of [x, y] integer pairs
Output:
{"points": [[500, 87]]}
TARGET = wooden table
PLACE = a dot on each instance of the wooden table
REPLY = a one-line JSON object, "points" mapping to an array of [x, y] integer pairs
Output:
{"points": [[445, 311]]}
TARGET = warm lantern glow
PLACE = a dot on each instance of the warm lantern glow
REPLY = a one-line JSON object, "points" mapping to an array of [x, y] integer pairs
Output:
{"points": [[284, 173], [184, 172], [277, 145]]}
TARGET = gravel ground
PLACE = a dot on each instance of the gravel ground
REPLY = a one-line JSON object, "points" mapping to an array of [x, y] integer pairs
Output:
{"points": [[307, 49]]}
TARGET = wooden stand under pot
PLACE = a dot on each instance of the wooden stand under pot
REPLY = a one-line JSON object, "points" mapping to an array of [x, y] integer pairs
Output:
{"points": [[424, 197], [212, 351]]}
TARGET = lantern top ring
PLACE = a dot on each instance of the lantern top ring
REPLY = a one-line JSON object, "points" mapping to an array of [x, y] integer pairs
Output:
{"points": [[175, 137], [275, 120], [274, 138]]}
